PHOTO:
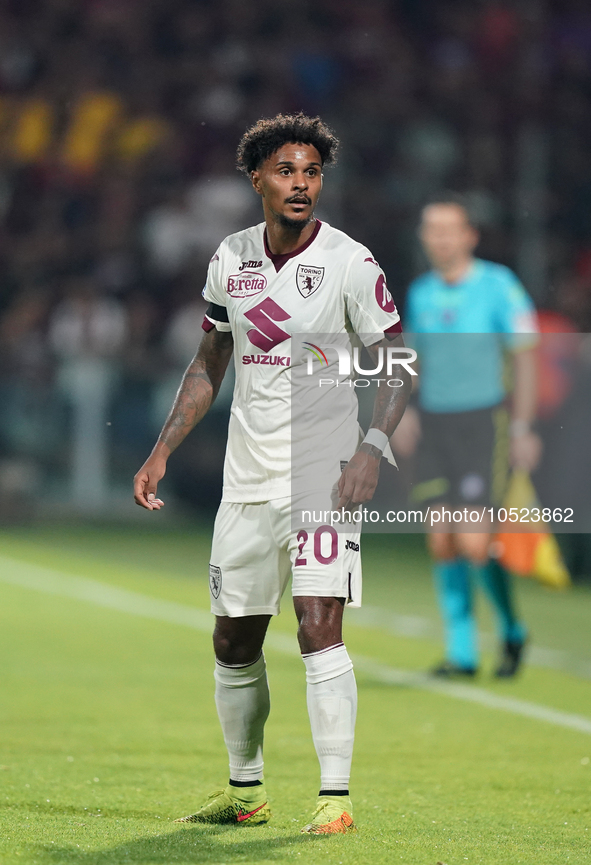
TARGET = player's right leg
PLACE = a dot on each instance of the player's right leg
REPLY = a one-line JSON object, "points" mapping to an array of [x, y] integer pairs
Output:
{"points": [[454, 592], [247, 578], [433, 488], [242, 701]]}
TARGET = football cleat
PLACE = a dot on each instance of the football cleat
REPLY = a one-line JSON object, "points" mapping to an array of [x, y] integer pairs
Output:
{"points": [[331, 817], [233, 806], [511, 658]]}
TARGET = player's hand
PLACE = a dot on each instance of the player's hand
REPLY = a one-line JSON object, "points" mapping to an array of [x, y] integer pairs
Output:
{"points": [[359, 478], [145, 483], [526, 450], [407, 434]]}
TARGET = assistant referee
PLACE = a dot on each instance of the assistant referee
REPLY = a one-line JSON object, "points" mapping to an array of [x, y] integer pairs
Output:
{"points": [[475, 331]]}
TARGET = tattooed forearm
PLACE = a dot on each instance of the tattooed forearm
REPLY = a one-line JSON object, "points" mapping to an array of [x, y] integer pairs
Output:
{"points": [[199, 387], [390, 403]]}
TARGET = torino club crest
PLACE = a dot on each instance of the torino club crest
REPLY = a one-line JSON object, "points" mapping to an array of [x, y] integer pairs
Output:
{"points": [[308, 279], [215, 580]]}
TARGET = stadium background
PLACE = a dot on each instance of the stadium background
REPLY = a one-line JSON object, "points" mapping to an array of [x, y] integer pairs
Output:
{"points": [[118, 126]]}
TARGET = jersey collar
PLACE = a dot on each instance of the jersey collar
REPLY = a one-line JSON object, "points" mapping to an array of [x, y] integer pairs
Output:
{"points": [[280, 260], [471, 275]]}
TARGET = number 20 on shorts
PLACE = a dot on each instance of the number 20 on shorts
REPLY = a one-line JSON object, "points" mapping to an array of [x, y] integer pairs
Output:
{"points": [[318, 545]]}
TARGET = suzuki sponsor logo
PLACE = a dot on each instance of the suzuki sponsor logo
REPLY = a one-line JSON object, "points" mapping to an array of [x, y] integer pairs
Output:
{"points": [[264, 317], [265, 359], [246, 284]]}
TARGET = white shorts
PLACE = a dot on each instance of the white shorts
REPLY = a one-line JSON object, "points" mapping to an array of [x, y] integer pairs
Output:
{"points": [[255, 549]]}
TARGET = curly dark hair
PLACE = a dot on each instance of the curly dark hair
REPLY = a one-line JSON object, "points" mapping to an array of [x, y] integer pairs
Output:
{"points": [[268, 135]]}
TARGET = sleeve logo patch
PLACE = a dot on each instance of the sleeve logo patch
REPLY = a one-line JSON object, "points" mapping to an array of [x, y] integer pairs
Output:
{"points": [[215, 580], [246, 284], [308, 279]]}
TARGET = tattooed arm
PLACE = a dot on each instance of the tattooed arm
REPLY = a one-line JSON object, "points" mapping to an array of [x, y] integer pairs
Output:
{"points": [[359, 479], [199, 387]]}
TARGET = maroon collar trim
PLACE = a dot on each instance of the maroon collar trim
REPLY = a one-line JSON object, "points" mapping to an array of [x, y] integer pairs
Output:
{"points": [[280, 260]]}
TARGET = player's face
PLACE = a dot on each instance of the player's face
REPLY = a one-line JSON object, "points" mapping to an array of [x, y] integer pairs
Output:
{"points": [[289, 182], [446, 234]]}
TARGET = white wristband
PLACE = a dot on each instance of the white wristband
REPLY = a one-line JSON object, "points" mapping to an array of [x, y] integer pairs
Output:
{"points": [[376, 438]]}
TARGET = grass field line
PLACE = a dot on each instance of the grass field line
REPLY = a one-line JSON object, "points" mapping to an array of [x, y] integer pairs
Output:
{"points": [[422, 627], [54, 582]]}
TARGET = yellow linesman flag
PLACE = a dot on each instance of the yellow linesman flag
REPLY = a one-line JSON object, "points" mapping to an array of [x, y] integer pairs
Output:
{"points": [[530, 553]]}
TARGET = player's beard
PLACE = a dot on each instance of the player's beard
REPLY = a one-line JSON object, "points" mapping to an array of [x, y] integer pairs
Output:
{"points": [[295, 225]]}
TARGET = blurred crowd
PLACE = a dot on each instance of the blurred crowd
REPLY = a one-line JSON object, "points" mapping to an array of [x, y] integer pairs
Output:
{"points": [[119, 121]]}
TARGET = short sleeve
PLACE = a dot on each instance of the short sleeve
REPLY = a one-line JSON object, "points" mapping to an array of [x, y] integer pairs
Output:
{"points": [[411, 317], [517, 315], [216, 315], [370, 307]]}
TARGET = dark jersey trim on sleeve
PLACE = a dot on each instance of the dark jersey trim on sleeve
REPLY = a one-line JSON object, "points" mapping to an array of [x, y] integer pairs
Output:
{"points": [[214, 313], [217, 313]]}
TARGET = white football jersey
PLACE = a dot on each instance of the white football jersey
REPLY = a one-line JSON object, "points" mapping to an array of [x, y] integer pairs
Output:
{"points": [[330, 285]]}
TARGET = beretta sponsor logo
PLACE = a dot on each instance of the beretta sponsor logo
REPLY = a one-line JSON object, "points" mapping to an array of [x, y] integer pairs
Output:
{"points": [[246, 284]]}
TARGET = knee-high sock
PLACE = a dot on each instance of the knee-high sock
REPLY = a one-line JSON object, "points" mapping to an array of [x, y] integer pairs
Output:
{"points": [[454, 590], [332, 706], [242, 701], [497, 583]]}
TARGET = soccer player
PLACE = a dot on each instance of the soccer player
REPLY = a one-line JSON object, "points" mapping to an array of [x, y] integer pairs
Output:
{"points": [[467, 314], [289, 275]]}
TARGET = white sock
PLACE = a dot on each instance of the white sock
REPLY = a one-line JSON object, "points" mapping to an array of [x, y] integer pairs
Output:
{"points": [[332, 706], [242, 701]]}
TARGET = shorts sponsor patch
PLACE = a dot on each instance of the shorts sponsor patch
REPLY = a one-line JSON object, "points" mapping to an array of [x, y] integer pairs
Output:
{"points": [[215, 580]]}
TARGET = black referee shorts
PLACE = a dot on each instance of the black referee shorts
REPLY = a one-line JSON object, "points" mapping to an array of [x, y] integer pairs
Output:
{"points": [[463, 458]]}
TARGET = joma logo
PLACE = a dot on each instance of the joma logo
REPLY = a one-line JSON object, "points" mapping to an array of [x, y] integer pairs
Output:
{"points": [[251, 263]]}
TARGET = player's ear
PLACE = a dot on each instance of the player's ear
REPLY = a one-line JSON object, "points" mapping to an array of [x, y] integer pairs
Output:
{"points": [[255, 179]]}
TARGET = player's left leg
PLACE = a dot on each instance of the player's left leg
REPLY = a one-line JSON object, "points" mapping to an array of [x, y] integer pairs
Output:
{"points": [[496, 581], [454, 592], [513, 634], [332, 707], [482, 470]]}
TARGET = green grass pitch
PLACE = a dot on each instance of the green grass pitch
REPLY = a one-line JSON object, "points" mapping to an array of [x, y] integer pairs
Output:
{"points": [[109, 729]]}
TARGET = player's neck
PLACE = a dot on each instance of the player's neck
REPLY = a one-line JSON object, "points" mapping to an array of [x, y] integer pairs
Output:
{"points": [[282, 239], [455, 271]]}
